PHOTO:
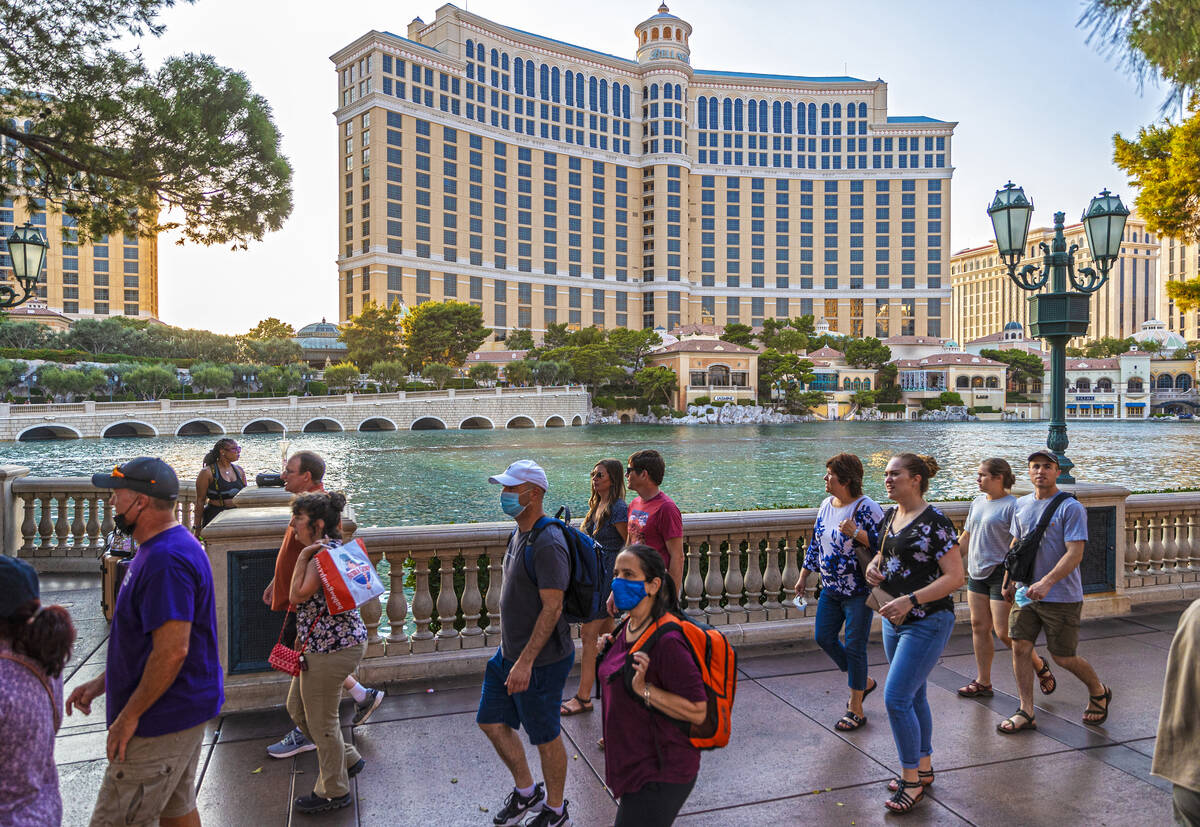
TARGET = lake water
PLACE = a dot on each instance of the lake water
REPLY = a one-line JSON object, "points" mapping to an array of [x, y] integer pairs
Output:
{"points": [[413, 478]]}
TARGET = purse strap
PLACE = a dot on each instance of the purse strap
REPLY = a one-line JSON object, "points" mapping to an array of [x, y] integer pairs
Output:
{"points": [[307, 635], [41, 676]]}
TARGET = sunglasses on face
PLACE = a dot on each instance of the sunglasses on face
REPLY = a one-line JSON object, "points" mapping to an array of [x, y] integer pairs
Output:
{"points": [[629, 471]]}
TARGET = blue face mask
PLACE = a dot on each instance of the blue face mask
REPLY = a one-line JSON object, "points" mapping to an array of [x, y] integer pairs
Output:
{"points": [[627, 593], [510, 503]]}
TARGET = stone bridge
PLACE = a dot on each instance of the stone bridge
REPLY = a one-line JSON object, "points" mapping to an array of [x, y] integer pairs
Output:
{"points": [[553, 407]]}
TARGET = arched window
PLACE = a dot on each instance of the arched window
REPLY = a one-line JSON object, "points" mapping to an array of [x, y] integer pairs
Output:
{"points": [[963, 382], [824, 110], [479, 52], [625, 100], [604, 96], [977, 381], [846, 384], [679, 35], [812, 119], [554, 78], [787, 117], [993, 382], [762, 116], [857, 384], [654, 34], [1183, 382], [867, 384], [570, 88], [654, 91], [737, 115], [702, 115], [862, 110], [579, 89], [776, 116], [1134, 385], [727, 107], [529, 75], [668, 91], [678, 92], [504, 61], [712, 113], [544, 81], [495, 58], [593, 89], [1166, 381], [470, 49], [518, 76], [643, 38], [752, 118], [1083, 384], [837, 110]]}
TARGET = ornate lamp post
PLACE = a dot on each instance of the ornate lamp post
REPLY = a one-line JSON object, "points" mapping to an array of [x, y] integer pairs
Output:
{"points": [[27, 248], [1061, 314]]}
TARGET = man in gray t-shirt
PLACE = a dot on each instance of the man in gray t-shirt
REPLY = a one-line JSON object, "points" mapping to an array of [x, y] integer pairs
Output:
{"points": [[1054, 600], [524, 680]]}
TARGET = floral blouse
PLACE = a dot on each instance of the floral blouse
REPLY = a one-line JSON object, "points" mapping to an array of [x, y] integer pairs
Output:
{"points": [[910, 557], [326, 632], [831, 552]]}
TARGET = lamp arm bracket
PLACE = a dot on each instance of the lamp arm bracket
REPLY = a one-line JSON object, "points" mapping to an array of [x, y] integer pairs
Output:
{"points": [[1028, 277], [1094, 280]]}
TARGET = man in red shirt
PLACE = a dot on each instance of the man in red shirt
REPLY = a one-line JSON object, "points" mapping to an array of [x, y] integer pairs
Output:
{"points": [[303, 474], [654, 519]]}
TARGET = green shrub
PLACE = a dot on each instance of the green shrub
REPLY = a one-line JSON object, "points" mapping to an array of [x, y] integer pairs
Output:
{"points": [[606, 403], [950, 398], [983, 409], [890, 407], [702, 400], [932, 404], [744, 401], [318, 388], [660, 410]]}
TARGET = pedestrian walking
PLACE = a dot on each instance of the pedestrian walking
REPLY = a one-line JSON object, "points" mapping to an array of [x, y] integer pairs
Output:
{"points": [[303, 473], [650, 764], [1177, 748], [523, 682], [654, 519], [606, 523], [847, 523], [332, 645], [219, 481], [984, 542], [35, 645], [1053, 599], [162, 681], [919, 563]]}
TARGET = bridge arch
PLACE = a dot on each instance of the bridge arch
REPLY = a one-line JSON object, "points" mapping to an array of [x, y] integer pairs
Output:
{"points": [[520, 422], [43, 432], [129, 428], [264, 425], [578, 420], [482, 423], [200, 427], [428, 423], [322, 425], [555, 422], [377, 423]]}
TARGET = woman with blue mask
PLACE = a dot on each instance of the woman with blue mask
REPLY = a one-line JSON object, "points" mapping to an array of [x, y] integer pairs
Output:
{"points": [[650, 764], [605, 522]]}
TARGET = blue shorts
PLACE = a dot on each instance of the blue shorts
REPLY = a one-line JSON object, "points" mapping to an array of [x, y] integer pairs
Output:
{"points": [[536, 709]]}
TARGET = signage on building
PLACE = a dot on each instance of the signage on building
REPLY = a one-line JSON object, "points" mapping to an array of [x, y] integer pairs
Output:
{"points": [[724, 398], [1084, 398], [668, 54]]}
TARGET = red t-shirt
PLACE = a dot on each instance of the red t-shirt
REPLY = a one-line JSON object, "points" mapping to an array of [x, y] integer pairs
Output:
{"points": [[285, 565], [652, 522], [631, 731]]}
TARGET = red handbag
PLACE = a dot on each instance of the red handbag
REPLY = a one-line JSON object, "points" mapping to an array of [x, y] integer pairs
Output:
{"points": [[285, 659]]}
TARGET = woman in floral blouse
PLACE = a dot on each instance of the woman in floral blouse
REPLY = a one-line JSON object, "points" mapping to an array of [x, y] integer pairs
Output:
{"points": [[919, 563], [333, 645], [846, 520]]}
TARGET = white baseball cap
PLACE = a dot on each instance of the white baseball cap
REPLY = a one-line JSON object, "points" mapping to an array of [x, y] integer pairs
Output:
{"points": [[521, 471]]}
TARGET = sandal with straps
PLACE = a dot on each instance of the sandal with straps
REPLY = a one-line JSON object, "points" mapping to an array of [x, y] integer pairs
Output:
{"points": [[1013, 727], [976, 689], [585, 705], [924, 776], [1101, 711], [902, 802], [1046, 680], [850, 722]]}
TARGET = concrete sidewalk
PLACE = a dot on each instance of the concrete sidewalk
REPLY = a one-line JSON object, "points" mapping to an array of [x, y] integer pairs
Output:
{"points": [[428, 764]]}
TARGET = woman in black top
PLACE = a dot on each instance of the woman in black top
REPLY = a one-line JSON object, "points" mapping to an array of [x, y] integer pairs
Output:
{"points": [[219, 480], [919, 564]]}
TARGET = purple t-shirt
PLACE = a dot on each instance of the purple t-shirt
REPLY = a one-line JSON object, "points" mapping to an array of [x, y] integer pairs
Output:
{"points": [[28, 778], [169, 579], [631, 730]]}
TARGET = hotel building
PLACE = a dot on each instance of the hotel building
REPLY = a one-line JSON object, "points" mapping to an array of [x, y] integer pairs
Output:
{"points": [[985, 299], [549, 183], [115, 276], [1180, 262]]}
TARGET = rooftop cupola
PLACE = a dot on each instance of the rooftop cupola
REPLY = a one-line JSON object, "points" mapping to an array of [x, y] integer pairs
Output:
{"points": [[663, 37]]}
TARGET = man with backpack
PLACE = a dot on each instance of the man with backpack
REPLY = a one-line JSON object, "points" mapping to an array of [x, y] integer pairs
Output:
{"points": [[523, 683], [1052, 597]]}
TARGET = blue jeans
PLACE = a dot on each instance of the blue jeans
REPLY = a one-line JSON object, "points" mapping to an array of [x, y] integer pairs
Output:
{"points": [[913, 650], [834, 610]]}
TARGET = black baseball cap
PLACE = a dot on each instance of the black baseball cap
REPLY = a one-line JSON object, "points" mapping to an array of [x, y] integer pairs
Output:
{"points": [[146, 475], [1042, 452], [18, 584]]}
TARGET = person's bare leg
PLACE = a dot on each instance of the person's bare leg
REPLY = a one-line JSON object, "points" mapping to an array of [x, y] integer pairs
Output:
{"points": [[1083, 670], [981, 636], [554, 770], [1022, 655], [512, 753], [191, 819], [1000, 612]]}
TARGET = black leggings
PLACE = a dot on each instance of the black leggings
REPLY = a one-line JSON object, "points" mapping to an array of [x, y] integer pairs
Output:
{"points": [[655, 805]]}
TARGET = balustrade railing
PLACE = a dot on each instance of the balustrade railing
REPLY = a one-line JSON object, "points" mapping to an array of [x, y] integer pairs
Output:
{"points": [[1162, 537]]}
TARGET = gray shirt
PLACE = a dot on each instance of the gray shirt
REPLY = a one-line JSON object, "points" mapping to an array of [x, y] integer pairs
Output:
{"points": [[1068, 525], [988, 523], [520, 603]]}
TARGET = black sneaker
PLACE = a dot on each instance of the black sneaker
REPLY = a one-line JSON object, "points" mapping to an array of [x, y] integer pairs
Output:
{"points": [[549, 818], [313, 803], [355, 768], [516, 806], [364, 710]]}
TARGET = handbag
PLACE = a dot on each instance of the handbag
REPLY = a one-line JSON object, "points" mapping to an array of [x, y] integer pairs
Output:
{"points": [[32, 666], [284, 658], [878, 596], [1019, 560]]}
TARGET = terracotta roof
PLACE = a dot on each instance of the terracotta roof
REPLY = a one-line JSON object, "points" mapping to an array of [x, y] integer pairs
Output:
{"points": [[826, 352], [703, 346], [913, 340], [497, 355], [998, 337], [1093, 364], [948, 359], [36, 311]]}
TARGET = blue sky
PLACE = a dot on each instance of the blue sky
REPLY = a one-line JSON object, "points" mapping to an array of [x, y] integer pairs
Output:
{"points": [[1033, 103]]}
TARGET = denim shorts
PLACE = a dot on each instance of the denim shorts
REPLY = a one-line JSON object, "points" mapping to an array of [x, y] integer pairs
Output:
{"points": [[536, 709]]}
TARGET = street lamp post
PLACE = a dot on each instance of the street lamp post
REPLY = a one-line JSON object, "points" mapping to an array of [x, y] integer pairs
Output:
{"points": [[27, 249], [1060, 314]]}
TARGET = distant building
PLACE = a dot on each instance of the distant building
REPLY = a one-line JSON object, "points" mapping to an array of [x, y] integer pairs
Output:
{"points": [[722, 371], [35, 310], [1012, 337], [320, 345], [1179, 262]]}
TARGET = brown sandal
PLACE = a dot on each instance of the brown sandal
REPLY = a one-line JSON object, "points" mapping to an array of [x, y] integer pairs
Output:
{"points": [[1101, 711], [585, 705], [1046, 680], [975, 689]]}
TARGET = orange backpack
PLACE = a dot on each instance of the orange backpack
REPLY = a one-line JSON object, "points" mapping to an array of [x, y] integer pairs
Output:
{"points": [[717, 662]]}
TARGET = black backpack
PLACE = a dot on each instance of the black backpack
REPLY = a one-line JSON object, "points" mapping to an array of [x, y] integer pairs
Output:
{"points": [[581, 600], [1018, 562]]}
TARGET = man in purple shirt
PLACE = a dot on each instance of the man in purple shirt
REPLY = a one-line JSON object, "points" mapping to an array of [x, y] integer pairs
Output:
{"points": [[163, 677]]}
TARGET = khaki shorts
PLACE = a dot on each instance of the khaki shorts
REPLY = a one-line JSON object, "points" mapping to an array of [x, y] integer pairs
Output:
{"points": [[157, 778], [1060, 620]]}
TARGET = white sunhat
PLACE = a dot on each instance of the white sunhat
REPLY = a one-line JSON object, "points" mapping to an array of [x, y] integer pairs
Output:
{"points": [[523, 470]]}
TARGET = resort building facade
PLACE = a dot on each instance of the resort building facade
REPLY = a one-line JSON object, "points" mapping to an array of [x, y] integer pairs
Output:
{"points": [[985, 298], [550, 183], [1180, 261]]}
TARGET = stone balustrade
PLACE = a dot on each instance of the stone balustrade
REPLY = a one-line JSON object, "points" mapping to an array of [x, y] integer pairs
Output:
{"points": [[1162, 539]]}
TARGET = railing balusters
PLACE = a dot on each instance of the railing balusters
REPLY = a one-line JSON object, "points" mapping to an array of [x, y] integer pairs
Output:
{"points": [[755, 612], [78, 535], [447, 603], [422, 605], [712, 585], [1131, 560], [372, 612], [93, 523], [1171, 542], [45, 526], [495, 556], [1141, 565], [773, 580], [472, 635], [29, 526], [397, 604], [734, 611], [693, 583], [62, 527], [1193, 546], [791, 573], [1157, 529]]}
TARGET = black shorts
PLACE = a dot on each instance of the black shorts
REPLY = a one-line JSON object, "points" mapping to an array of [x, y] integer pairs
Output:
{"points": [[992, 585]]}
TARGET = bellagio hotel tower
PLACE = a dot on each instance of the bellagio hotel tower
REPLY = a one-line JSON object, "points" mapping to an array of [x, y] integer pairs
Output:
{"points": [[549, 183]]}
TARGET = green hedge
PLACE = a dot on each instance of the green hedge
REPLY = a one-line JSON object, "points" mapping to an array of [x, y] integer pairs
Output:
{"points": [[70, 357], [890, 407]]}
